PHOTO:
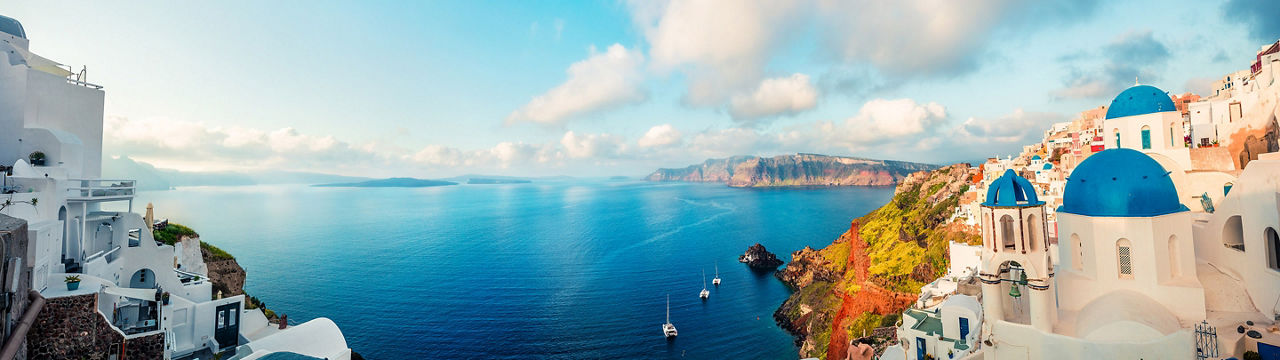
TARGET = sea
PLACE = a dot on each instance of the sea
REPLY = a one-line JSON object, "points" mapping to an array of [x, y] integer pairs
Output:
{"points": [[560, 269]]}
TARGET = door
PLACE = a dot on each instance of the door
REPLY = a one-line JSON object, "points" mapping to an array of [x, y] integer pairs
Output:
{"points": [[964, 328], [226, 329], [920, 348], [1268, 351]]}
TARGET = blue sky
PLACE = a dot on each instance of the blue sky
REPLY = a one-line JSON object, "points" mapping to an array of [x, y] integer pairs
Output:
{"points": [[611, 87]]}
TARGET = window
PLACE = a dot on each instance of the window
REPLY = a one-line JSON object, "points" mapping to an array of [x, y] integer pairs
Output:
{"points": [[135, 237], [1006, 231], [1077, 256], [1273, 249], [1117, 131], [1233, 233], [1146, 137], [1175, 267], [1032, 233], [1124, 254]]}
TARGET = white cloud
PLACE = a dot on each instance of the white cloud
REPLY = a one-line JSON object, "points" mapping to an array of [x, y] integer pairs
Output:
{"points": [[721, 46], [730, 142], [774, 97], [909, 37], [604, 80], [659, 136], [580, 146], [881, 120], [185, 144]]}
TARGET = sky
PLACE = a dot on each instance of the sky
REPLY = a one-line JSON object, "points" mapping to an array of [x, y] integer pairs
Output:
{"points": [[603, 88]]}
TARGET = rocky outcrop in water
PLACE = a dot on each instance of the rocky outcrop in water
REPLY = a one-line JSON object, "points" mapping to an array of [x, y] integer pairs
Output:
{"points": [[793, 170], [758, 258]]}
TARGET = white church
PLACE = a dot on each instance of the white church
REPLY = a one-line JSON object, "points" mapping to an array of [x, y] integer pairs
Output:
{"points": [[1154, 259]]}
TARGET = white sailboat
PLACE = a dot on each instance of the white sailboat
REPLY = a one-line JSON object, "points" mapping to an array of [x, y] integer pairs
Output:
{"points": [[716, 281], [704, 294], [669, 329]]}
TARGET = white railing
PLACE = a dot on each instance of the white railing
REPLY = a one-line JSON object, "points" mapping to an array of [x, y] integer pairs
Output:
{"points": [[109, 254], [104, 189], [196, 279]]}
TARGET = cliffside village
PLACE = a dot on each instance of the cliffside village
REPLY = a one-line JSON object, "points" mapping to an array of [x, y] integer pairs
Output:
{"points": [[1146, 228], [84, 280]]}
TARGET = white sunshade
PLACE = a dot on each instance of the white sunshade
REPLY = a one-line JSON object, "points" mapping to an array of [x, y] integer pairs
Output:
{"points": [[41, 63], [140, 294]]}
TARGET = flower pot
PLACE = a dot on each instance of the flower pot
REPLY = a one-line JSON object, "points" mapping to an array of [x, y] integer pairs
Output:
{"points": [[72, 286], [37, 162]]}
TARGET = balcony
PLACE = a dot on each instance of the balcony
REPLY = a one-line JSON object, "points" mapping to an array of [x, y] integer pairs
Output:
{"points": [[189, 279], [101, 190]]}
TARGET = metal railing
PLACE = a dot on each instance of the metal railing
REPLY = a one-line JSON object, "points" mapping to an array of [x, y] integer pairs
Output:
{"points": [[104, 189], [84, 84], [189, 278]]}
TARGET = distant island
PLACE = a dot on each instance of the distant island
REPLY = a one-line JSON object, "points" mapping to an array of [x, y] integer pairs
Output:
{"points": [[392, 182], [489, 181], [794, 170]]}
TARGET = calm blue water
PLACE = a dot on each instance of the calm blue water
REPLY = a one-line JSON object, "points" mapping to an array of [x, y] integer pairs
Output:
{"points": [[546, 270]]}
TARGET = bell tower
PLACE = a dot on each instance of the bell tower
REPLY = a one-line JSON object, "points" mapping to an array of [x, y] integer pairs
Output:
{"points": [[1015, 256]]}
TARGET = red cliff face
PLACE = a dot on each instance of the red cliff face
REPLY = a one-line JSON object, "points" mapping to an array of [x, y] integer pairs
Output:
{"points": [[793, 170], [867, 276]]}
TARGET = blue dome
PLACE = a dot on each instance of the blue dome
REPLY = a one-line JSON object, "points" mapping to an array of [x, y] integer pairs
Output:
{"points": [[1048, 166], [1011, 190], [1139, 100], [1037, 157], [1121, 183]]}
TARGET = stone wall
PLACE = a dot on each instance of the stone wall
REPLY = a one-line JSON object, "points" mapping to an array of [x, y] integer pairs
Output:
{"points": [[13, 233], [70, 327]]}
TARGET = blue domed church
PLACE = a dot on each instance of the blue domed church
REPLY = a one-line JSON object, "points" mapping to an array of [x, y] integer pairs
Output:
{"points": [[1144, 118]]}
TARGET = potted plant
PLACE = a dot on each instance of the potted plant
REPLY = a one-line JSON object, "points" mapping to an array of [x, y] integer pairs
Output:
{"points": [[73, 282], [37, 158], [164, 298]]}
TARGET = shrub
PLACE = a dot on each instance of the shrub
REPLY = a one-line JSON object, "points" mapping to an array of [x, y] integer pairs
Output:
{"points": [[172, 233], [215, 253]]}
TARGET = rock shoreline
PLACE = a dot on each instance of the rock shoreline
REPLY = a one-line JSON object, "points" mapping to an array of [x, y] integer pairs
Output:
{"points": [[757, 257]]}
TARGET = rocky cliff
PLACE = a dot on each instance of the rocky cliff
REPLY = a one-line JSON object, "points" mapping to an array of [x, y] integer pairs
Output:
{"points": [[873, 271], [793, 170]]}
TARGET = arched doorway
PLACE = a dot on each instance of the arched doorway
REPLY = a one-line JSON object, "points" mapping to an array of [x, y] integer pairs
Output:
{"points": [[143, 279], [1233, 233]]}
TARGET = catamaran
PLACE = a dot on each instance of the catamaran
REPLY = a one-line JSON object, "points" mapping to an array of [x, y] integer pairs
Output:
{"points": [[669, 329], [716, 281], [704, 294]]}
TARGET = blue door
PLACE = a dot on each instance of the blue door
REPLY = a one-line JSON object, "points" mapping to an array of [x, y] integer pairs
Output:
{"points": [[920, 348], [964, 328], [1146, 138], [1268, 351]]}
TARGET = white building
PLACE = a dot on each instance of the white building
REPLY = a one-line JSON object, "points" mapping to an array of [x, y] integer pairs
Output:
{"points": [[948, 331], [51, 135], [1144, 118], [1136, 271]]}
